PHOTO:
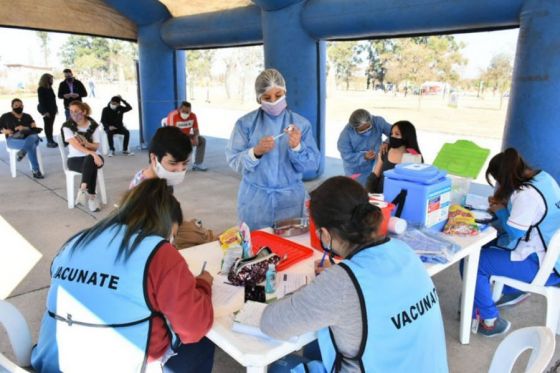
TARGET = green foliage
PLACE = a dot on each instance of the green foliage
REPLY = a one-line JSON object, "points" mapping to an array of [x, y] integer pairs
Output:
{"points": [[498, 74], [415, 60], [45, 38], [344, 57], [109, 58]]}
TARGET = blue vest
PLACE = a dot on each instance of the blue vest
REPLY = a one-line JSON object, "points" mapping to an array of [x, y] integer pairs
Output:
{"points": [[402, 325], [549, 190], [98, 316]]}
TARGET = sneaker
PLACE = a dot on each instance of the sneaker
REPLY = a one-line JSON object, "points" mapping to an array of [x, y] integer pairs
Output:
{"points": [[93, 203], [111, 153], [38, 175], [52, 144], [501, 326], [508, 300], [126, 152], [20, 155], [199, 167], [81, 197]]}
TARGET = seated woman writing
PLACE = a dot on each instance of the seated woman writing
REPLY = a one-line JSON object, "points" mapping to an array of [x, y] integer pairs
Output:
{"points": [[526, 203], [403, 148], [378, 309], [122, 298]]}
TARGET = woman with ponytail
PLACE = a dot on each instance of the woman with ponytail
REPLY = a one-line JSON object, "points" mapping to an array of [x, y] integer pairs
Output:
{"points": [[377, 310], [527, 204]]}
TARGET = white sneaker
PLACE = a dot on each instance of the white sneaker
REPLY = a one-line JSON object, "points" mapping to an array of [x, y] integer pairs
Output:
{"points": [[81, 197], [111, 153], [93, 203], [126, 152]]}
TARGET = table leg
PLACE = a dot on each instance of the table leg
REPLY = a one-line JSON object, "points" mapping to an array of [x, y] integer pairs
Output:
{"points": [[470, 270], [261, 369]]}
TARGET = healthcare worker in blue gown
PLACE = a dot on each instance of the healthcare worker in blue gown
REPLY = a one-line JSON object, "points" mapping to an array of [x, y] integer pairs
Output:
{"points": [[360, 141], [375, 311], [271, 147]]}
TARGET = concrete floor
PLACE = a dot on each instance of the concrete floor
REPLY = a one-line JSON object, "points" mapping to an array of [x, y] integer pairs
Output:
{"points": [[37, 209]]}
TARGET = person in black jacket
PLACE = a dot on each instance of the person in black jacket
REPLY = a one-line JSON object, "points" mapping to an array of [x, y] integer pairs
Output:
{"points": [[47, 107], [112, 120], [70, 90]]}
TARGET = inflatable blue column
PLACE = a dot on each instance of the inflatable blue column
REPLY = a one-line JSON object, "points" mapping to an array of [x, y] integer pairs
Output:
{"points": [[162, 78], [301, 59], [533, 120]]}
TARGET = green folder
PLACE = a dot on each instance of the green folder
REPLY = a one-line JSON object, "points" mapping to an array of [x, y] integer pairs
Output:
{"points": [[463, 158]]}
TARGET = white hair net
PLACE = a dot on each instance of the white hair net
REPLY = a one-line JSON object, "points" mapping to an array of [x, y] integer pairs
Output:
{"points": [[269, 78], [359, 116]]}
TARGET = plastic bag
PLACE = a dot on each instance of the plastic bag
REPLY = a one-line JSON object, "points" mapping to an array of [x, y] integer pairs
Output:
{"points": [[461, 222], [430, 246]]}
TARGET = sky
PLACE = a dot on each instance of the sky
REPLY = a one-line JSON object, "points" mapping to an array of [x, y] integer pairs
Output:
{"points": [[23, 46]]}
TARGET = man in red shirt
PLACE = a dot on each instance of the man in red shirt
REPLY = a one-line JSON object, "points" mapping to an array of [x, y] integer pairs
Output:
{"points": [[186, 120]]}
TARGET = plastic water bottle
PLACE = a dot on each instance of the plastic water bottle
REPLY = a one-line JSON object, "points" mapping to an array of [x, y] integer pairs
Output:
{"points": [[270, 286]]}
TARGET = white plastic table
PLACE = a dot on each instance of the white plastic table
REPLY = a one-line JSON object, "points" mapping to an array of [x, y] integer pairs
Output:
{"points": [[256, 353]]}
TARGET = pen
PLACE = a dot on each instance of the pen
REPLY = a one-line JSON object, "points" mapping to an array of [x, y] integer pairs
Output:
{"points": [[203, 267], [323, 259]]}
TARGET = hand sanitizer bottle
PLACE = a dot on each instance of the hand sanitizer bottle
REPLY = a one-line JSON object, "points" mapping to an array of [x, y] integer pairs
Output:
{"points": [[270, 286]]}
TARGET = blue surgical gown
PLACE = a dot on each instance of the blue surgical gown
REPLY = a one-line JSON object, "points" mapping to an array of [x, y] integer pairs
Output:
{"points": [[271, 187], [352, 147]]}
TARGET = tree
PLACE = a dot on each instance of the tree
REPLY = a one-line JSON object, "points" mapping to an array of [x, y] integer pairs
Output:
{"points": [[111, 58], [199, 66], [45, 38], [376, 69], [416, 60], [498, 74], [344, 57]]}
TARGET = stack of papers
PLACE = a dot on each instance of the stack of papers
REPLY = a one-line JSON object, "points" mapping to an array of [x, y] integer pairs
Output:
{"points": [[226, 298], [248, 320]]}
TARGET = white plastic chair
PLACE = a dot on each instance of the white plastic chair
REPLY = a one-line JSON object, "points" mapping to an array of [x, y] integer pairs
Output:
{"points": [[539, 339], [551, 293], [13, 160], [19, 336], [118, 141], [70, 178]]}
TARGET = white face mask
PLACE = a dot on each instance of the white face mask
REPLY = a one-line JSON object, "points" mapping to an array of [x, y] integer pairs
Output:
{"points": [[113, 106], [173, 178], [184, 115]]}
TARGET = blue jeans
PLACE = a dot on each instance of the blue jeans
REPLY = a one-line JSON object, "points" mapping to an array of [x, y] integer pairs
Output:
{"points": [[495, 261], [287, 363], [29, 144], [192, 358]]}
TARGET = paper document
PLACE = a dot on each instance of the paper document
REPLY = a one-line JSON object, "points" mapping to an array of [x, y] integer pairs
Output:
{"points": [[287, 283], [196, 256], [226, 299], [248, 320]]}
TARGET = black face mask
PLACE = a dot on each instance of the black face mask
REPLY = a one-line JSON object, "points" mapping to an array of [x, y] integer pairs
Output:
{"points": [[395, 142], [18, 110], [69, 80]]}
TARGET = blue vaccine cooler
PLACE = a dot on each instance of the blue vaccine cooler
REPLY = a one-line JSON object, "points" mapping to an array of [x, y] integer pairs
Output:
{"points": [[428, 193]]}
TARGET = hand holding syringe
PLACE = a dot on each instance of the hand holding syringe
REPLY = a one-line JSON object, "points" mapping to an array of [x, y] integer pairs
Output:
{"points": [[290, 128]]}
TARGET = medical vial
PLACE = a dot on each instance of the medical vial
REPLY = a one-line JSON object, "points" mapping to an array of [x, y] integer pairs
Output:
{"points": [[270, 286]]}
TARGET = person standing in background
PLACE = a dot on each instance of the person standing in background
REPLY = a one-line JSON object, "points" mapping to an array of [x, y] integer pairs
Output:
{"points": [[70, 90], [47, 107]]}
